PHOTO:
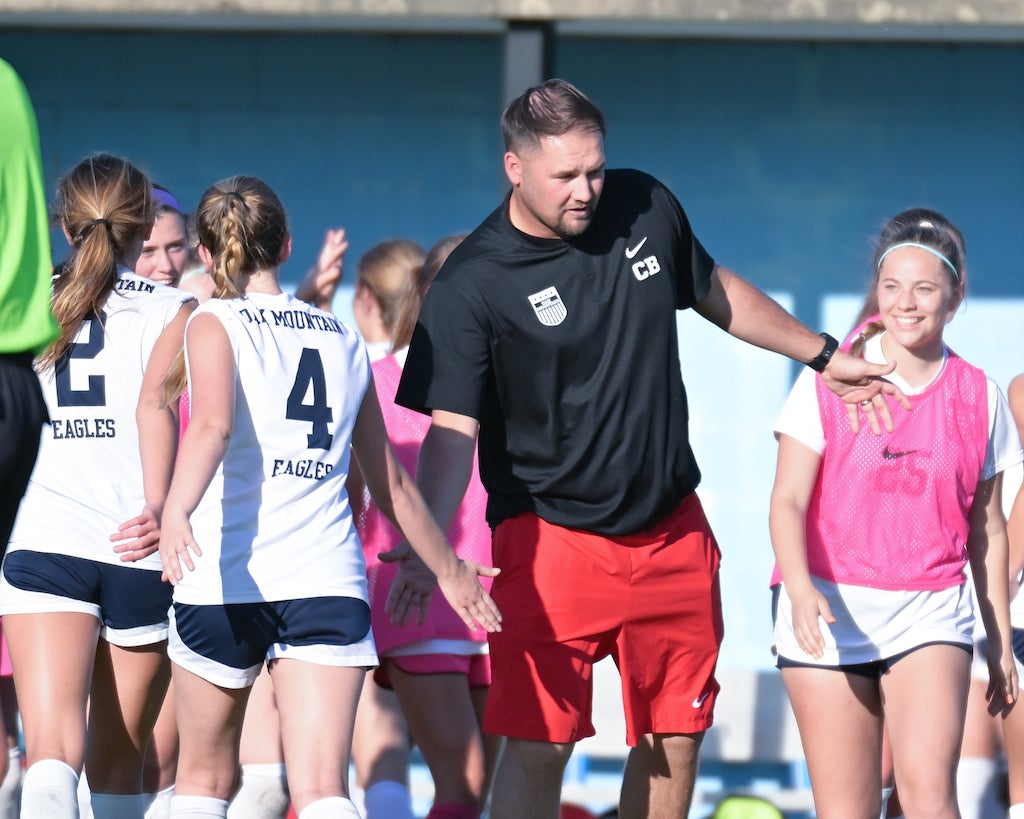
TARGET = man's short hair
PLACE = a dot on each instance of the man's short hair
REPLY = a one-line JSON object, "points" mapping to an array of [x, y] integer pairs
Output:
{"points": [[550, 109]]}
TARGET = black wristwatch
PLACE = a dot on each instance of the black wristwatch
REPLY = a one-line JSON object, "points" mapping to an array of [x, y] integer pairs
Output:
{"points": [[820, 362]]}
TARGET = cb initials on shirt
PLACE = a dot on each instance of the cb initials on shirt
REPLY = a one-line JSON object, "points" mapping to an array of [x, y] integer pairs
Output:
{"points": [[646, 268]]}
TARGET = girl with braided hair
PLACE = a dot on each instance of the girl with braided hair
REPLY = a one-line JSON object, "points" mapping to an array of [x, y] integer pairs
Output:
{"points": [[258, 537]]}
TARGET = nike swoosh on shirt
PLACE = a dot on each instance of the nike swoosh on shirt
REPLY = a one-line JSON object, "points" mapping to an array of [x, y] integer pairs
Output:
{"points": [[699, 701], [632, 251], [889, 455]]}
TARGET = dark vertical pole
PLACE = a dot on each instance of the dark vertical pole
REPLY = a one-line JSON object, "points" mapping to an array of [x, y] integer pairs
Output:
{"points": [[529, 56]]}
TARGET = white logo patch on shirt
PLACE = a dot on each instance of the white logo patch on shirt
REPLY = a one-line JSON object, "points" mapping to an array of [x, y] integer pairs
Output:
{"points": [[549, 307]]}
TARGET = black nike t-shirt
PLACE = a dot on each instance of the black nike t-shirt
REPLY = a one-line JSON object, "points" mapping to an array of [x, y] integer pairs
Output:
{"points": [[566, 353]]}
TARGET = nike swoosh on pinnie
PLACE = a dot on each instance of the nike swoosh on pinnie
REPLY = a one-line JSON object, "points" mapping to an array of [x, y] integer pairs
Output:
{"points": [[632, 251], [889, 455]]}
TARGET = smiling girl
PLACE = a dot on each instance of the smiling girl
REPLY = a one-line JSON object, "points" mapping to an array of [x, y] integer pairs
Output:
{"points": [[872, 534]]}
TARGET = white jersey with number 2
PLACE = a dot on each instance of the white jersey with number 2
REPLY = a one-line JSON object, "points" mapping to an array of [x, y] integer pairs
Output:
{"points": [[88, 476]]}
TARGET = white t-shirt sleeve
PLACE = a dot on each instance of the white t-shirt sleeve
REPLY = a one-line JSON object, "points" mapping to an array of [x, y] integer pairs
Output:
{"points": [[800, 417], [1004, 446]]}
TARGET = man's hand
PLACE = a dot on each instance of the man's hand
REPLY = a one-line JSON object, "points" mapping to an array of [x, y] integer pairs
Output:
{"points": [[862, 386]]}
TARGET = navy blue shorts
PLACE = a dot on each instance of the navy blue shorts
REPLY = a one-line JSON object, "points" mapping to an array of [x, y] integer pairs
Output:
{"points": [[131, 604], [227, 644]]}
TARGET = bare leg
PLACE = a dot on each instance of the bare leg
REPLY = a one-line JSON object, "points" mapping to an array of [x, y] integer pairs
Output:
{"points": [[317, 704], [493, 744], [840, 721], [1013, 737], [381, 745], [440, 713], [128, 689], [659, 776], [263, 792], [976, 791], [925, 696], [261, 729], [380, 751], [52, 655], [209, 726], [162, 754], [528, 781]]}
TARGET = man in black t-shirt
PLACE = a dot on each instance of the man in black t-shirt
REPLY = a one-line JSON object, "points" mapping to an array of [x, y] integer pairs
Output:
{"points": [[551, 331]]}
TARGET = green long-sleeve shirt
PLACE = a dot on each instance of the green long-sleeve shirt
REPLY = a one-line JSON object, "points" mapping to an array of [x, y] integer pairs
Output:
{"points": [[26, 323]]}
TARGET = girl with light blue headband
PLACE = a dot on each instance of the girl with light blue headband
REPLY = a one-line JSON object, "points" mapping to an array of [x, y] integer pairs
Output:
{"points": [[874, 620]]}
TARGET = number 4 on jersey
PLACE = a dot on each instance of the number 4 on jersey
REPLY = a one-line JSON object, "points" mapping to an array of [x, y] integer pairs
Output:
{"points": [[311, 374]]}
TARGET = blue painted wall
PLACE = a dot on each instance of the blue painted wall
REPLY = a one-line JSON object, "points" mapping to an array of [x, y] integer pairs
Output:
{"points": [[787, 156]]}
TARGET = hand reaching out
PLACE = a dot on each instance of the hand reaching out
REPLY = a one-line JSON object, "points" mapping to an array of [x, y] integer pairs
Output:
{"points": [[863, 387], [414, 584], [321, 282]]}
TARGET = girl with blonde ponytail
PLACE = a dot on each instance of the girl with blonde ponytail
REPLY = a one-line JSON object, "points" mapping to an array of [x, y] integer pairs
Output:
{"points": [[82, 624], [258, 537]]}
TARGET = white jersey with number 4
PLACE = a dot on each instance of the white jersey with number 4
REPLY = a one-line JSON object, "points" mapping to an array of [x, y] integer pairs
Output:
{"points": [[88, 476], [275, 523]]}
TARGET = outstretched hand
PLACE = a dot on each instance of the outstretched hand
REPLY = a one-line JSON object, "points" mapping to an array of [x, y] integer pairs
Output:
{"points": [[138, 537], [862, 385], [470, 600], [414, 584], [412, 587], [321, 282]]}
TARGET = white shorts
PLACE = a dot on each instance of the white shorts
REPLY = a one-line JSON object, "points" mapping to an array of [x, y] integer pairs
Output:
{"points": [[877, 624]]}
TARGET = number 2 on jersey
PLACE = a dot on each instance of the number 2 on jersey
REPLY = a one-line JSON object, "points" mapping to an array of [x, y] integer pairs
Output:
{"points": [[311, 374], [95, 394]]}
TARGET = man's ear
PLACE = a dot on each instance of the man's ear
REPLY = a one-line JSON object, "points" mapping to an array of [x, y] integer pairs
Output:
{"points": [[513, 168]]}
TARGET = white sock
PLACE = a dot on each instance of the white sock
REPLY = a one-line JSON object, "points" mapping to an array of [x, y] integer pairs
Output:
{"points": [[886, 793], [263, 795], [388, 800], [160, 807], [10, 788], [975, 777], [198, 807], [333, 807], [118, 805], [84, 798], [50, 791], [1016, 811]]}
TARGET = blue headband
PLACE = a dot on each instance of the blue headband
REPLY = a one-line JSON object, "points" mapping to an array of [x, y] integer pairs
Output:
{"points": [[920, 246]]}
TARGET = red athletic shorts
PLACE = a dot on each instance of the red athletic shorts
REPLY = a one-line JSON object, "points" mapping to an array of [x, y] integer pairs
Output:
{"points": [[569, 598]]}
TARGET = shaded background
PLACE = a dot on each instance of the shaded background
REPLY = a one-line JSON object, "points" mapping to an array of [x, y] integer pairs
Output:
{"points": [[788, 155]]}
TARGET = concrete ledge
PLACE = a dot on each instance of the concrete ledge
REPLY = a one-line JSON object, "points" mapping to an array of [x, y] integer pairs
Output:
{"points": [[625, 13]]}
